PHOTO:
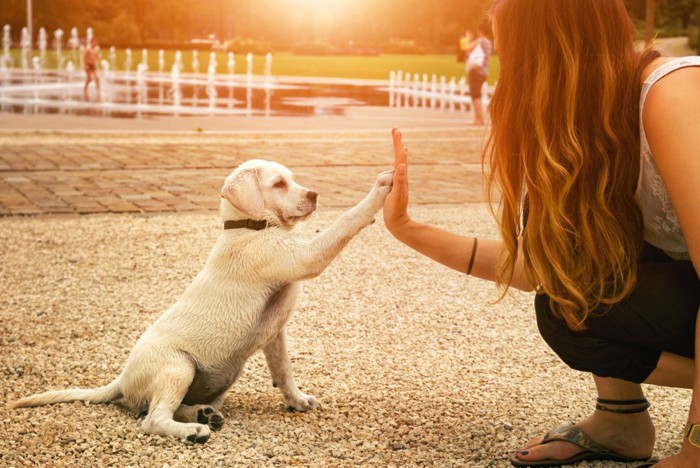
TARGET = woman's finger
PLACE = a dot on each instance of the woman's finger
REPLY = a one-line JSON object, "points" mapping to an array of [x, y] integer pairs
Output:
{"points": [[400, 156]]}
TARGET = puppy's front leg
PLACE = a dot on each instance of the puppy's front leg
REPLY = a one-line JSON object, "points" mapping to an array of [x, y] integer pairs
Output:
{"points": [[314, 256], [281, 369]]}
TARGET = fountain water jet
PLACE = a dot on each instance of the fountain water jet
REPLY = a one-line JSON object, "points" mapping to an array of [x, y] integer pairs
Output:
{"points": [[41, 44], [74, 43], [26, 44], [6, 44], [232, 74], [58, 40], [161, 67], [127, 69]]}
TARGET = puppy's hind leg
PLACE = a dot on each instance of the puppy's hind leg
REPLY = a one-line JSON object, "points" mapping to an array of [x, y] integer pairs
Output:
{"points": [[281, 369], [203, 414], [170, 387]]}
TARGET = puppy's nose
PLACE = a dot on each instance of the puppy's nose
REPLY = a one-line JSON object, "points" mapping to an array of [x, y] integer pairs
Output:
{"points": [[312, 196]]}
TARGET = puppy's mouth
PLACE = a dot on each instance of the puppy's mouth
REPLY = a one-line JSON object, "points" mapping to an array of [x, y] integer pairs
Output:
{"points": [[305, 210]]}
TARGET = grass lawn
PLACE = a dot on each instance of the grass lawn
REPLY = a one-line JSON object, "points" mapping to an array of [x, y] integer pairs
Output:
{"points": [[287, 64]]}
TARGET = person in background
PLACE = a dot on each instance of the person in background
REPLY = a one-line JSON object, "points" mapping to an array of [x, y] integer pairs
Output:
{"points": [[478, 51], [91, 57], [593, 163], [462, 49]]}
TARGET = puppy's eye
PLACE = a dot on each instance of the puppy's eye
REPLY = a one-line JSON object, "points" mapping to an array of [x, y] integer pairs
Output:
{"points": [[280, 184]]}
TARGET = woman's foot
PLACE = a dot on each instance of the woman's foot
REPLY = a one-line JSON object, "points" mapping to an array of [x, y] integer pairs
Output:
{"points": [[630, 435]]}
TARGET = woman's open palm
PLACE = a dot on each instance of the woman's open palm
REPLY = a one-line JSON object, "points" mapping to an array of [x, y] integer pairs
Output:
{"points": [[396, 203]]}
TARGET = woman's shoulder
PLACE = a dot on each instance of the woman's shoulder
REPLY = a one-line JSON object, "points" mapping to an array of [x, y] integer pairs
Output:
{"points": [[663, 66], [670, 94], [670, 86]]}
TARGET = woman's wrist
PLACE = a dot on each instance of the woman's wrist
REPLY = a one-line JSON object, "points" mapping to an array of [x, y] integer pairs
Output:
{"points": [[400, 227], [690, 454]]}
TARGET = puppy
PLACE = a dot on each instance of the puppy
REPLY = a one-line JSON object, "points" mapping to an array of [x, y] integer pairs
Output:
{"points": [[182, 366]]}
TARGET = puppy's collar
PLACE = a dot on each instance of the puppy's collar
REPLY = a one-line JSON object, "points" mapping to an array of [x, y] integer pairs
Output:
{"points": [[245, 224]]}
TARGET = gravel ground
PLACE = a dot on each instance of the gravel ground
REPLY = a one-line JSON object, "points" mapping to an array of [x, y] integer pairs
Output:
{"points": [[413, 363]]}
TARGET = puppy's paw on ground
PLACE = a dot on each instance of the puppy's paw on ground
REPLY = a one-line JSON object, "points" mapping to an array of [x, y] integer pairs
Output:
{"points": [[209, 416], [302, 402], [199, 433]]}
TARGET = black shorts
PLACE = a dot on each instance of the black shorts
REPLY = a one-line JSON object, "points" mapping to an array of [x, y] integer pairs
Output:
{"points": [[627, 340], [90, 67], [477, 77]]}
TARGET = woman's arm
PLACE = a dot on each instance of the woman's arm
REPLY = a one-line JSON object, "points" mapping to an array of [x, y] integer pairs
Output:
{"points": [[452, 250], [672, 125]]}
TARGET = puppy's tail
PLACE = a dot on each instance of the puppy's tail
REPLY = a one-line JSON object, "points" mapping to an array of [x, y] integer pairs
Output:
{"points": [[109, 392]]}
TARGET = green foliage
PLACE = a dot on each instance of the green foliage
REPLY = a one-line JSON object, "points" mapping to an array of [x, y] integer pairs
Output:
{"points": [[694, 39], [241, 45], [434, 26], [313, 48], [672, 18], [405, 46]]}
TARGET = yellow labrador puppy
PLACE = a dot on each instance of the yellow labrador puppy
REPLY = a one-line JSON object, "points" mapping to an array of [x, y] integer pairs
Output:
{"points": [[182, 366]]}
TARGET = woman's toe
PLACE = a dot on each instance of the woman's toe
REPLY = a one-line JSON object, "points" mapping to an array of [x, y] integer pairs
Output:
{"points": [[550, 451]]}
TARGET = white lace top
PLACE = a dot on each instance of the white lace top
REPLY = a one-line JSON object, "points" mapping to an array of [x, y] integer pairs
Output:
{"points": [[661, 227]]}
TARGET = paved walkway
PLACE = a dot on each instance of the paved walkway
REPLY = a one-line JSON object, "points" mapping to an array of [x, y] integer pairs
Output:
{"points": [[64, 173]]}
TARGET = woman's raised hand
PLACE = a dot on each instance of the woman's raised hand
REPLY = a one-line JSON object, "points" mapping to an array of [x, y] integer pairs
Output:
{"points": [[396, 203]]}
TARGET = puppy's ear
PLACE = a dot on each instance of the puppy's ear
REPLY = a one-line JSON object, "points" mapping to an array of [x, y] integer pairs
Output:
{"points": [[244, 193]]}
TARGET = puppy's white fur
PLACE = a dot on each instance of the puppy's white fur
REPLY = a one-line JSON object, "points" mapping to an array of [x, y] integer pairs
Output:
{"points": [[184, 363]]}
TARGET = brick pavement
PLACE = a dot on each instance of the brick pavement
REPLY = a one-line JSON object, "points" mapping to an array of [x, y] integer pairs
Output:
{"points": [[82, 174]]}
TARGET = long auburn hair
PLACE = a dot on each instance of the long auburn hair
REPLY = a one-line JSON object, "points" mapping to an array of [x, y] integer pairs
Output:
{"points": [[564, 146]]}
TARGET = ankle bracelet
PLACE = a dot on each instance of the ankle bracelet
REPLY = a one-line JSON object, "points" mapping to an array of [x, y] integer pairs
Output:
{"points": [[601, 402]]}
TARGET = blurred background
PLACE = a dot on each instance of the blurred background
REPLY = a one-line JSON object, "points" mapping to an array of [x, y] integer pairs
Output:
{"points": [[316, 27]]}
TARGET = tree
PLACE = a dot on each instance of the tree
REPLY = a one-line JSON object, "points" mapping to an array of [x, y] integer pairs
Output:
{"points": [[649, 30]]}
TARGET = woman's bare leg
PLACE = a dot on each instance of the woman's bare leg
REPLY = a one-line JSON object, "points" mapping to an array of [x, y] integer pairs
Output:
{"points": [[631, 435]]}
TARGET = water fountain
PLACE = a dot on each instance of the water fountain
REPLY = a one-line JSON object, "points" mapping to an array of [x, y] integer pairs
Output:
{"points": [[36, 65], [195, 70], [74, 43], [211, 81], [42, 43], [232, 76], [6, 44], [127, 69], [443, 92], [161, 67], [70, 72], [249, 84], [112, 57], [4, 80], [26, 44], [392, 88], [175, 90], [211, 86], [58, 40], [141, 94], [268, 83], [44, 85], [268, 68], [406, 91], [106, 85], [415, 91]]}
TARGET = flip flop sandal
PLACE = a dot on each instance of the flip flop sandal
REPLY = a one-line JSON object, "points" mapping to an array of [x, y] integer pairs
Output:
{"points": [[572, 434]]}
